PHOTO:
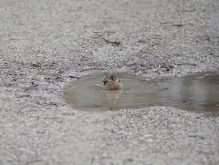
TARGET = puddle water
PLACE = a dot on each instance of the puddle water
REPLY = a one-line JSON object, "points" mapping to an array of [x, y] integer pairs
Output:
{"points": [[198, 93]]}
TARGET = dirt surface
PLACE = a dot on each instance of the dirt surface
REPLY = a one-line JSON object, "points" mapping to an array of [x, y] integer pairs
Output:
{"points": [[45, 44]]}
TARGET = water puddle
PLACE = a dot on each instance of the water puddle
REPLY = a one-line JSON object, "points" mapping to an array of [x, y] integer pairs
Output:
{"points": [[198, 93]]}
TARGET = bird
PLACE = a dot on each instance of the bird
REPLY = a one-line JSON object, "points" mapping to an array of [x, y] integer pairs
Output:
{"points": [[112, 83]]}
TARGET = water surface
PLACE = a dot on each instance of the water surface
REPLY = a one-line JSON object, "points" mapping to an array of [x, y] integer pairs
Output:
{"points": [[199, 93]]}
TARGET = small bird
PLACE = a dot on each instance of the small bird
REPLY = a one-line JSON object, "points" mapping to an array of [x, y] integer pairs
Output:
{"points": [[112, 83]]}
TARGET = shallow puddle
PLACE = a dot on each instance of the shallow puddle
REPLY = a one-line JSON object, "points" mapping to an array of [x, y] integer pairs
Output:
{"points": [[199, 93]]}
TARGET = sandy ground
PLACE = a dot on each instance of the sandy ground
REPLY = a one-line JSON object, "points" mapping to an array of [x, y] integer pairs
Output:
{"points": [[45, 44]]}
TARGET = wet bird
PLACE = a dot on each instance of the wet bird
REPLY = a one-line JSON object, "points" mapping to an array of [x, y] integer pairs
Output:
{"points": [[112, 83]]}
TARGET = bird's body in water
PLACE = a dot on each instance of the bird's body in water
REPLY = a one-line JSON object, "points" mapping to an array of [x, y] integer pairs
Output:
{"points": [[112, 83]]}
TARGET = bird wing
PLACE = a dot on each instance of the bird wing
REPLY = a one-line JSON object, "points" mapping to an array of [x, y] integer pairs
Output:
{"points": [[105, 81]]}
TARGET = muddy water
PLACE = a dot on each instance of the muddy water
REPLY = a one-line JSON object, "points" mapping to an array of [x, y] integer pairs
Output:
{"points": [[198, 93]]}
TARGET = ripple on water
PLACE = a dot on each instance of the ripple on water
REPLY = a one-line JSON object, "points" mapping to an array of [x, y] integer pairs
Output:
{"points": [[199, 92]]}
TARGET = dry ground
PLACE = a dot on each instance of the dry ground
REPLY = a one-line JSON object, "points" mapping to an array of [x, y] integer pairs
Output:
{"points": [[44, 44]]}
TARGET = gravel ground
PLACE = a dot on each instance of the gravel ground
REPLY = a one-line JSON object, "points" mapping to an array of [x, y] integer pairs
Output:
{"points": [[45, 44]]}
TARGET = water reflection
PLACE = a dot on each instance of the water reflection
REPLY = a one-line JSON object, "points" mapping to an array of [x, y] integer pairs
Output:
{"points": [[199, 93], [113, 95]]}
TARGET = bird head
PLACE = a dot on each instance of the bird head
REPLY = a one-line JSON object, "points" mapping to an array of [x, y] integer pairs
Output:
{"points": [[112, 77]]}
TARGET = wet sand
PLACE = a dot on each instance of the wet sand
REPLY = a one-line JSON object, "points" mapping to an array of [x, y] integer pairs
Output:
{"points": [[44, 45]]}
